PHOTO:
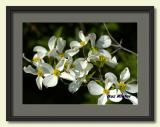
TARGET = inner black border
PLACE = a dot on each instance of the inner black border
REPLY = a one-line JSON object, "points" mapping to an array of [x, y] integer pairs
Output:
{"points": [[74, 9]]}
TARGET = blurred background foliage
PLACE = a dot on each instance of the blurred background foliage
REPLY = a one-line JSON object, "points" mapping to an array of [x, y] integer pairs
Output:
{"points": [[39, 33]]}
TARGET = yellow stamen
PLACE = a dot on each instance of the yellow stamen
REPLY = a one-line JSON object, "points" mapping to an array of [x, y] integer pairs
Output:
{"points": [[61, 54], [106, 91], [56, 72], [82, 43], [102, 58], [36, 59], [40, 72], [122, 86], [94, 49]]}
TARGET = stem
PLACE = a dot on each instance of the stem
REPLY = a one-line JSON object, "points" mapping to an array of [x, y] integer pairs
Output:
{"points": [[83, 52], [125, 49], [118, 45], [28, 60], [100, 74], [115, 50], [94, 78], [132, 81], [110, 34]]}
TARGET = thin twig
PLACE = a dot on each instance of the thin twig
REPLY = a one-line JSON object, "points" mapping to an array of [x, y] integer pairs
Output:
{"points": [[83, 52], [28, 60], [115, 50], [110, 34], [132, 81], [94, 78], [125, 49], [100, 74], [118, 45]]}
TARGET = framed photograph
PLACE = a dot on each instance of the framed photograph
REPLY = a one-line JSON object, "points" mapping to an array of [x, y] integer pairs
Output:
{"points": [[80, 63]]}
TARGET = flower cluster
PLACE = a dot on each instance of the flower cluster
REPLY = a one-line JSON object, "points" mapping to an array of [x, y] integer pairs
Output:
{"points": [[66, 66]]}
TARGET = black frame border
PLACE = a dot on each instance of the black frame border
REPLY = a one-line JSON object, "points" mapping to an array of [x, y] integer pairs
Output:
{"points": [[74, 9]]}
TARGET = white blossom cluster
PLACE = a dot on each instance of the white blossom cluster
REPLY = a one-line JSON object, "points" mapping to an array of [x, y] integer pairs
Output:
{"points": [[77, 70]]}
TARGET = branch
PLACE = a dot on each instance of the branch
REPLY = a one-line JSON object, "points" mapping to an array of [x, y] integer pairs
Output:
{"points": [[118, 44], [100, 74], [28, 60], [110, 34]]}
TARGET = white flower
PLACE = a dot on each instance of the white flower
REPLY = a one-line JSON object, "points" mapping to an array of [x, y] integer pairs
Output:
{"points": [[123, 86], [59, 53], [43, 51], [84, 40], [38, 71], [38, 59], [98, 53], [56, 47], [51, 78], [103, 42], [106, 93], [79, 70], [102, 56]]}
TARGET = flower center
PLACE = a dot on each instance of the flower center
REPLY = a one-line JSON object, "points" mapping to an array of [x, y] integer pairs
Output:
{"points": [[61, 54], [82, 43], [36, 59], [40, 72], [94, 49], [122, 86], [56, 72], [102, 58], [106, 91]]}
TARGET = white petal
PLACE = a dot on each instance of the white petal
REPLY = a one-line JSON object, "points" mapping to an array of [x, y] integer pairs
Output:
{"points": [[81, 36], [50, 81], [74, 86], [60, 45], [29, 69], [108, 84], [103, 42], [54, 54], [93, 56], [68, 64], [39, 81], [39, 55], [132, 88], [60, 65], [132, 98], [77, 63], [75, 44], [115, 95], [94, 88], [52, 43], [112, 62], [40, 49], [88, 68], [105, 53], [83, 64], [92, 37], [67, 76], [111, 77], [125, 75], [40, 60], [102, 99], [47, 68], [71, 52]]}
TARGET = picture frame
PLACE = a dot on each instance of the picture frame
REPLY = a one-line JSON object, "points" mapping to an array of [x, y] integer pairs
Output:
{"points": [[17, 111]]}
